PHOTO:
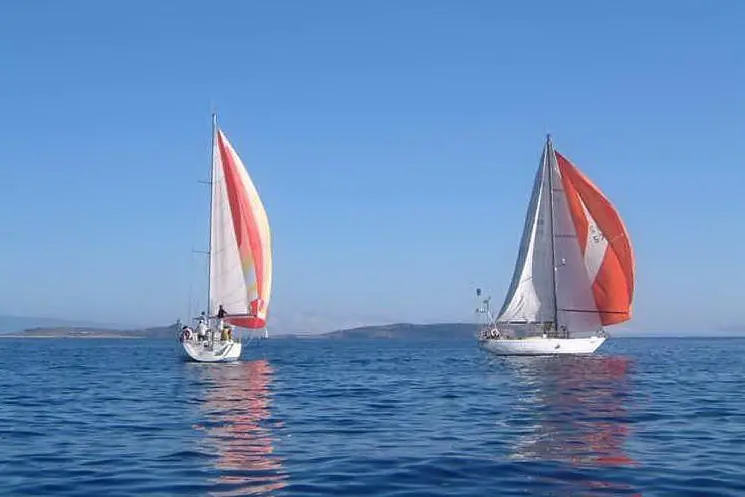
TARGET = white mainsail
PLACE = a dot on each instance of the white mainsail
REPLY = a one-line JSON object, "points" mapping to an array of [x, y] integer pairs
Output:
{"points": [[530, 298]]}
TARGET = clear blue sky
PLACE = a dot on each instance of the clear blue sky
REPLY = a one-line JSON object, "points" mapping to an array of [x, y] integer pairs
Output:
{"points": [[394, 144]]}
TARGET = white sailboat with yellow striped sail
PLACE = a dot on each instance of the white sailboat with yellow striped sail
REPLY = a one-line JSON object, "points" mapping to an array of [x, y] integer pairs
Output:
{"points": [[240, 260], [574, 273]]}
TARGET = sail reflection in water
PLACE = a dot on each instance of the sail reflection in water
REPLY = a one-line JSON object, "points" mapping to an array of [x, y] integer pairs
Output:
{"points": [[578, 403], [236, 411]]}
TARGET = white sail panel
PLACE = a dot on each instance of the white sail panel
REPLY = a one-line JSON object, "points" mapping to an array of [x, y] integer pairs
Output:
{"points": [[530, 298], [227, 282], [595, 245], [576, 306]]}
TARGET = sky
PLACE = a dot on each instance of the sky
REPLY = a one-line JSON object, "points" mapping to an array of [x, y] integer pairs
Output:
{"points": [[394, 144]]}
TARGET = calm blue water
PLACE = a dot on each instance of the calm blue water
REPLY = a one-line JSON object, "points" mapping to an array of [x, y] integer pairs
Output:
{"points": [[119, 417]]}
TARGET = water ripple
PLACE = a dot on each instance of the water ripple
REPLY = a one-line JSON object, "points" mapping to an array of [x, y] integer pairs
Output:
{"points": [[110, 417]]}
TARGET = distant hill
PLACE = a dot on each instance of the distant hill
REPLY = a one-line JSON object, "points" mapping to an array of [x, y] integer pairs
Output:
{"points": [[397, 331], [408, 331], [405, 331], [10, 324], [95, 332]]}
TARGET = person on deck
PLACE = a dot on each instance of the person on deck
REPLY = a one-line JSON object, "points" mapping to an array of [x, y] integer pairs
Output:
{"points": [[201, 328], [221, 313]]}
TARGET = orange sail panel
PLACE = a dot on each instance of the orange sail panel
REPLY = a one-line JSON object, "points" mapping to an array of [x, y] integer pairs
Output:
{"points": [[604, 243], [242, 283]]}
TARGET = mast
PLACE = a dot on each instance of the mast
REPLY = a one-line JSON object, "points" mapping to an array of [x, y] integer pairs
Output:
{"points": [[549, 167], [212, 194]]}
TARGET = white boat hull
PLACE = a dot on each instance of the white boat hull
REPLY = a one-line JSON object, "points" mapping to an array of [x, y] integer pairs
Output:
{"points": [[542, 346], [221, 352]]}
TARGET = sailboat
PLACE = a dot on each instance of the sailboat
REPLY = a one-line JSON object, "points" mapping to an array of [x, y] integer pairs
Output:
{"points": [[240, 260], [574, 273]]}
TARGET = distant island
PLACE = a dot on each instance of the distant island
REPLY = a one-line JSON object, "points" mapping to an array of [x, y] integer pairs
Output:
{"points": [[94, 332], [405, 331], [396, 331]]}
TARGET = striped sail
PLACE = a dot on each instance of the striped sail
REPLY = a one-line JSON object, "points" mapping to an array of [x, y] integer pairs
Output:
{"points": [[240, 250], [604, 244], [575, 264]]}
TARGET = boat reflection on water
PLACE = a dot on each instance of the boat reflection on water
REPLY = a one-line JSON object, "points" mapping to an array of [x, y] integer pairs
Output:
{"points": [[577, 404], [236, 411]]}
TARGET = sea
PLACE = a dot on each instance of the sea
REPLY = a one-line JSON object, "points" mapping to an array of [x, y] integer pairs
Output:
{"points": [[103, 417]]}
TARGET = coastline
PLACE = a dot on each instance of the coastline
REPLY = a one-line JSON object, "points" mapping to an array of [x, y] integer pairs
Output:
{"points": [[72, 336]]}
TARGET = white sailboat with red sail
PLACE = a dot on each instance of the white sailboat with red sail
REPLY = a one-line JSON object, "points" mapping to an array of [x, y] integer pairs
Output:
{"points": [[574, 273], [240, 260]]}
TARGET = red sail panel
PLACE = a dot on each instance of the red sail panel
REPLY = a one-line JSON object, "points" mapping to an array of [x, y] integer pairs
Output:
{"points": [[250, 322], [605, 244]]}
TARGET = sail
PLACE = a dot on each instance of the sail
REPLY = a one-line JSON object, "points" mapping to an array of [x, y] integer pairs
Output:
{"points": [[575, 266], [604, 244], [530, 298], [575, 306], [240, 246]]}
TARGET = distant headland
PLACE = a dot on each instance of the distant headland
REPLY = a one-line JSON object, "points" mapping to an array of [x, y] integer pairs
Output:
{"points": [[94, 332], [395, 331], [390, 331]]}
